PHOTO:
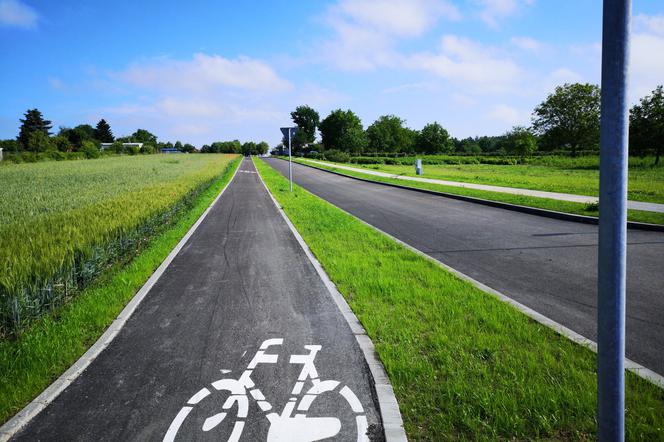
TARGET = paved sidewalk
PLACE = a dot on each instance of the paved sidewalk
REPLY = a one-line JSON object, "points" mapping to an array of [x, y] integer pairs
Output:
{"points": [[634, 205]]}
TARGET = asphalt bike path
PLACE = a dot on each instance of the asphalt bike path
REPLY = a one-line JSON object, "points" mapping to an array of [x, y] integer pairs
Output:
{"points": [[238, 340], [583, 199], [546, 264]]}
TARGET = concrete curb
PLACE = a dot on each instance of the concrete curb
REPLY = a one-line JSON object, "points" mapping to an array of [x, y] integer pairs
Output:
{"points": [[515, 207], [387, 402], [630, 365], [23, 417]]}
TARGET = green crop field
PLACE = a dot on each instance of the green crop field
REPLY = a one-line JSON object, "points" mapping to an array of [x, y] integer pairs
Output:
{"points": [[62, 224], [578, 176]]}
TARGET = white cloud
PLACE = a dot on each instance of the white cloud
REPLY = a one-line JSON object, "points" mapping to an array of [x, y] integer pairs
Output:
{"points": [[56, 84], [204, 72], [416, 86], [464, 100], [647, 63], [366, 31], [318, 96], [199, 99], [508, 115], [561, 76], [494, 10], [528, 44], [17, 14], [478, 68], [653, 24], [406, 18]]}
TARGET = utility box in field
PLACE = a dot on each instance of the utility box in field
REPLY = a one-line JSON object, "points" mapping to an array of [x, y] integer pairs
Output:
{"points": [[418, 166]]}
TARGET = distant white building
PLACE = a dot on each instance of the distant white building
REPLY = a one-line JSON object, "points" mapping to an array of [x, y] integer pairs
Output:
{"points": [[105, 146]]}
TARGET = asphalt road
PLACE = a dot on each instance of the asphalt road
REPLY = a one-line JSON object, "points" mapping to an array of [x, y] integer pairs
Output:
{"points": [[547, 264], [241, 282]]}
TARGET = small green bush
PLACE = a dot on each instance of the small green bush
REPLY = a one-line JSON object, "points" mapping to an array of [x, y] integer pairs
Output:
{"points": [[337, 156], [90, 149]]}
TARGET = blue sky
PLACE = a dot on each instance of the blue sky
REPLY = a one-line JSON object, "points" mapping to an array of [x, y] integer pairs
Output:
{"points": [[205, 71]]}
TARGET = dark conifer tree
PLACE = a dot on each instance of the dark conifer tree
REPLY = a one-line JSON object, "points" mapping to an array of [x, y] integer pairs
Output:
{"points": [[33, 121], [103, 132]]}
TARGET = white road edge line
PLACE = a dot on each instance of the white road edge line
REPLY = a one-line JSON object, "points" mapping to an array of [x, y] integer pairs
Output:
{"points": [[23, 417], [387, 402], [630, 365]]}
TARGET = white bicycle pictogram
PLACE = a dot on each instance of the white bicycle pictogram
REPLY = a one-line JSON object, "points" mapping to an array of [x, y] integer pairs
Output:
{"points": [[292, 424]]}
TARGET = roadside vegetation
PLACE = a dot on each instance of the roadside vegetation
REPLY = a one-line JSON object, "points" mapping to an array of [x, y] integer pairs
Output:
{"points": [[64, 224], [44, 349], [463, 364], [650, 184], [36, 142], [566, 122]]}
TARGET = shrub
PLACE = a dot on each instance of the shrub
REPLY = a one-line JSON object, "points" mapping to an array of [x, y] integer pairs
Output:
{"points": [[148, 149], [131, 150], [368, 160], [337, 156], [90, 149]]}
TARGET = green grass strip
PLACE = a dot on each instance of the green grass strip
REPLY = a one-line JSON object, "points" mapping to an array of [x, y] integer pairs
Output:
{"points": [[522, 200], [53, 343], [463, 364]]}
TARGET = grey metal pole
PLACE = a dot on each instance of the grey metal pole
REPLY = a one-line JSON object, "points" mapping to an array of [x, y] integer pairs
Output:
{"points": [[290, 166], [612, 222]]}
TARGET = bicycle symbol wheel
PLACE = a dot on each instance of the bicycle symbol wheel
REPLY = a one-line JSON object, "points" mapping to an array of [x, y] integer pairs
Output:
{"points": [[227, 400]]}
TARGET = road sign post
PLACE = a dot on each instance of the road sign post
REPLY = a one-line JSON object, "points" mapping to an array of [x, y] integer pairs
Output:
{"points": [[612, 222], [289, 132]]}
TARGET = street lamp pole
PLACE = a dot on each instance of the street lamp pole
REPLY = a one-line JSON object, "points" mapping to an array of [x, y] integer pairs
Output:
{"points": [[290, 161], [289, 132], [613, 222]]}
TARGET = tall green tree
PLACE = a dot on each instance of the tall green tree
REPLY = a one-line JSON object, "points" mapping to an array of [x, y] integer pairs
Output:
{"points": [[38, 141], [262, 148], [388, 134], [569, 118], [103, 132], [189, 148], [432, 139], [79, 134], [342, 130], [520, 141], [307, 120], [646, 124], [249, 148], [143, 136], [61, 143], [33, 122]]}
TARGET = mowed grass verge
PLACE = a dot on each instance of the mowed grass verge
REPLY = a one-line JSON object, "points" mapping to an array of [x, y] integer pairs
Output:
{"points": [[49, 346], [463, 364], [579, 176], [540, 203]]}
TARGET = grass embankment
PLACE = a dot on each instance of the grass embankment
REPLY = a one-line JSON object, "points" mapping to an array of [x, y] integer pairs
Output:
{"points": [[463, 364], [43, 351], [541, 203]]}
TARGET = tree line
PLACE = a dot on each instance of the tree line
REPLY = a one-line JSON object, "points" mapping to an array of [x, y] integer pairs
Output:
{"points": [[35, 137], [247, 148], [567, 120]]}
